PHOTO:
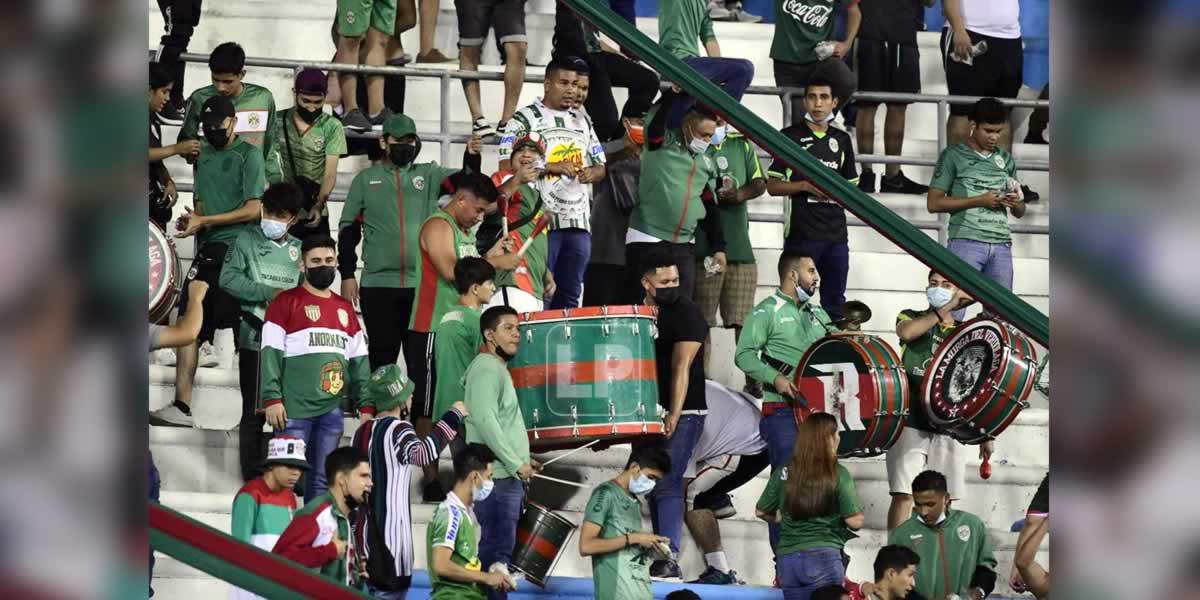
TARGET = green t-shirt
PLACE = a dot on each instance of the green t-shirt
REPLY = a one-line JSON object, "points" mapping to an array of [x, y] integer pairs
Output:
{"points": [[255, 267], [392, 203], [454, 526], [915, 356], [456, 341], [961, 172], [494, 417], [734, 158], [255, 108], [225, 180], [669, 189], [825, 531], [310, 147], [799, 26], [530, 275], [434, 295], [681, 23], [783, 330], [624, 574]]}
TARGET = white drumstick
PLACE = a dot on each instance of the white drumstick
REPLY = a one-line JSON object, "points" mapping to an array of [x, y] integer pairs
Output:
{"points": [[562, 481], [566, 454]]}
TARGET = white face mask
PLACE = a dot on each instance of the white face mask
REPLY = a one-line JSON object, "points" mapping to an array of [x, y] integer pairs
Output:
{"points": [[719, 135], [939, 296], [808, 117], [698, 145], [641, 485], [481, 493]]}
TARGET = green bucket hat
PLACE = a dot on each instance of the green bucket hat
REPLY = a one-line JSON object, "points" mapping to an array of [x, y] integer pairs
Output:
{"points": [[389, 387], [399, 126]]}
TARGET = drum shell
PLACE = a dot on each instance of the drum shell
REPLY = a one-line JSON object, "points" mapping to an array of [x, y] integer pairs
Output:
{"points": [[587, 373], [882, 390], [164, 274], [541, 537]]}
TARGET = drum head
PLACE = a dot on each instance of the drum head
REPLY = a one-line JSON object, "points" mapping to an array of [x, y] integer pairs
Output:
{"points": [[963, 372], [163, 270]]}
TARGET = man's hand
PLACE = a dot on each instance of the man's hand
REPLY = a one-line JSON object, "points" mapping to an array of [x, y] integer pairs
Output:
{"points": [[197, 290], [189, 223], [976, 594], [728, 195], [962, 44], [475, 145], [187, 148], [339, 544], [506, 262], [1012, 201], [350, 290], [314, 215], [549, 286], [564, 168], [1016, 582], [989, 200], [670, 423], [460, 407], [276, 416], [525, 472], [960, 299], [170, 193], [842, 48], [589, 175], [647, 540], [784, 386], [504, 245], [722, 262], [527, 173], [986, 449], [497, 581]]}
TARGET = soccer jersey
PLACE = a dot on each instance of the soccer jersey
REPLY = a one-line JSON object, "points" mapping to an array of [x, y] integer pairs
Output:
{"points": [[310, 146], [682, 25], [916, 355], [799, 26], [824, 531], [255, 268], [569, 137], [454, 526], [962, 172], [673, 178], [435, 295], [456, 341], [225, 180], [780, 330], [255, 108], [624, 574], [806, 217], [314, 354], [526, 205], [259, 517], [735, 158]]}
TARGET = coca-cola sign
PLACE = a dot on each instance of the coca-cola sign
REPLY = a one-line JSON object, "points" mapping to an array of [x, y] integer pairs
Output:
{"points": [[811, 15]]}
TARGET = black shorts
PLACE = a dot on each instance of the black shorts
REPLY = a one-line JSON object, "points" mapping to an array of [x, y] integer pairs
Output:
{"points": [[221, 310], [1040, 506], [476, 17], [385, 316], [418, 357], [998, 72], [887, 67]]}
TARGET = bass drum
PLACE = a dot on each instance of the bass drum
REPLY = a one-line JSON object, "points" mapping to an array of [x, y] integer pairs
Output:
{"points": [[860, 380], [979, 380], [164, 274], [587, 374]]}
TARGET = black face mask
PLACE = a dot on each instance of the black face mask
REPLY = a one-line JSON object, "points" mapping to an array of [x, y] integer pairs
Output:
{"points": [[666, 296], [320, 277], [402, 155], [216, 137], [500, 352], [308, 116]]}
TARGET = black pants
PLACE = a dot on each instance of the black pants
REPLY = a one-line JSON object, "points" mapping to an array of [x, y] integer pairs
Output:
{"points": [[221, 310], [181, 18], [611, 70], [598, 285], [1040, 119], [385, 316], [418, 357], [302, 230], [252, 440], [749, 466], [681, 256]]}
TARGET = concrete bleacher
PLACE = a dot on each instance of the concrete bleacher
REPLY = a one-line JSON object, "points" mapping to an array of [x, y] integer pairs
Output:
{"points": [[199, 466]]}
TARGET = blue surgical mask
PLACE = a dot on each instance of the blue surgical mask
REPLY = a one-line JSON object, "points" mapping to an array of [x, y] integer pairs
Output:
{"points": [[698, 145], [719, 135], [801, 295], [939, 296], [641, 485], [481, 494], [273, 229]]}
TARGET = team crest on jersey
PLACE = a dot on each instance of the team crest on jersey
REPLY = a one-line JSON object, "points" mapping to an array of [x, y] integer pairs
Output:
{"points": [[332, 378], [294, 253], [319, 142], [833, 145], [254, 120], [313, 312], [722, 163], [419, 182], [350, 18], [999, 160], [964, 533], [707, 161], [343, 317]]}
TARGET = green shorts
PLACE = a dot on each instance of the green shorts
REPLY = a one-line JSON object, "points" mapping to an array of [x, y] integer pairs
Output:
{"points": [[354, 16]]}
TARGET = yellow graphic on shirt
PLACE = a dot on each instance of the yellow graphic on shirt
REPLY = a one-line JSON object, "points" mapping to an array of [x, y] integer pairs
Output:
{"points": [[474, 565], [569, 151]]}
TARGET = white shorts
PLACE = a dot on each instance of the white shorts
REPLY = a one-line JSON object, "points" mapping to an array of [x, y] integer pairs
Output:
{"points": [[517, 298], [918, 451], [708, 476]]}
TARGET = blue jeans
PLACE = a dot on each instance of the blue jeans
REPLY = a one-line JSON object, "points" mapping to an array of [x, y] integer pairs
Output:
{"points": [[667, 501], [626, 9], [802, 573], [154, 485], [498, 516], [833, 265], [382, 595], [567, 257], [321, 435], [733, 75], [993, 260], [779, 431]]}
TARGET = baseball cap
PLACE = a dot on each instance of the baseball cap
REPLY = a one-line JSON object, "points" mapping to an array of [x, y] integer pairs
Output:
{"points": [[288, 451], [216, 110], [389, 388], [312, 82], [399, 126], [532, 138]]}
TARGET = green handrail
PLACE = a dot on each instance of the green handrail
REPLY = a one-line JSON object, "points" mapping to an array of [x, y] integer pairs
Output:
{"points": [[912, 240]]}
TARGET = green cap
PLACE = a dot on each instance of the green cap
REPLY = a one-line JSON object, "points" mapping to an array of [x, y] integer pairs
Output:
{"points": [[389, 387], [399, 126]]}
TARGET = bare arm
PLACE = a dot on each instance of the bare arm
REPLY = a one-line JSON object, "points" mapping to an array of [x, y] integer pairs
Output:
{"points": [[952, 10], [779, 187], [187, 328], [249, 212], [939, 201], [911, 329], [682, 356], [329, 180], [855, 521], [750, 191], [590, 542], [438, 240], [853, 21], [713, 48], [1036, 577], [444, 567]]}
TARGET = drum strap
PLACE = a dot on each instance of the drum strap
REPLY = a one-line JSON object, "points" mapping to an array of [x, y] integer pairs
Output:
{"points": [[784, 368]]}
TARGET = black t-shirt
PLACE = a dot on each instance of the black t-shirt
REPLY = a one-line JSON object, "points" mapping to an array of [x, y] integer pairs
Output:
{"points": [[681, 322], [816, 219], [891, 20]]}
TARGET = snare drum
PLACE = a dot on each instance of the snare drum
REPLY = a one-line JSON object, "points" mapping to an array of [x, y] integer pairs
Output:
{"points": [[541, 536], [584, 374], [979, 380], [164, 274], [860, 380]]}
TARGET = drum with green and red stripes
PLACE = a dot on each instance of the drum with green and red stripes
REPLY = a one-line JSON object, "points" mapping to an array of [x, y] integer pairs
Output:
{"points": [[979, 380], [541, 537], [584, 374], [861, 381]]}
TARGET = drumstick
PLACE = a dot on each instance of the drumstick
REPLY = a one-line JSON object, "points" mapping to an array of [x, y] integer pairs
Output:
{"points": [[587, 445], [985, 468], [542, 223], [562, 481], [502, 201]]}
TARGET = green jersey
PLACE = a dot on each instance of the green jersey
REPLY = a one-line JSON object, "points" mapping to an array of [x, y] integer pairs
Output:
{"points": [[434, 295], [799, 26], [681, 23], [310, 146], [255, 108], [392, 203], [950, 551], [824, 531], [255, 268], [454, 526], [624, 574], [735, 158], [782, 330], [530, 275], [456, 341], [916, 356], [494, 417], [961, 172], [225, 180], [670, 188]]}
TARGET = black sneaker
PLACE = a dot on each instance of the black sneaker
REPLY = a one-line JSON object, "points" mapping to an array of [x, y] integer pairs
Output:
{"points": [[378, 120], [899, 184], [665, 569], [483, 129], [433, 493], [1030, 195], [720, 504], [1035, 138], [714, 576], [866, 182], [171, 114], [356, 121]]}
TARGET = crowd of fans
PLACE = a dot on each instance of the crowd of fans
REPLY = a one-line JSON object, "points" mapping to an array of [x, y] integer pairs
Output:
{"points": [[588, 206]]}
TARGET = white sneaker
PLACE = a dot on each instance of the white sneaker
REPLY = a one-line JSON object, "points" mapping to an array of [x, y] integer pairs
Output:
{"points": [[741, 16], [483, 129], [208, 356], [718, 12], [163, 356], [173, 416], [225, 347]]}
